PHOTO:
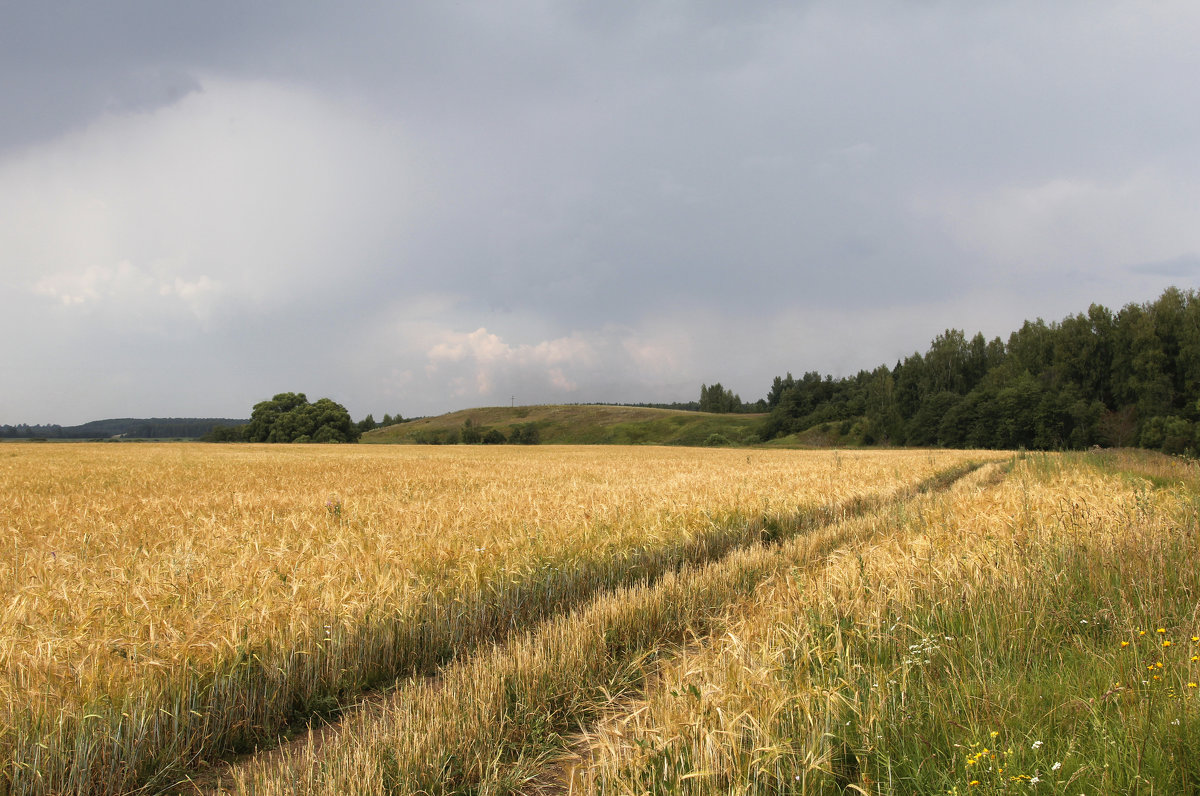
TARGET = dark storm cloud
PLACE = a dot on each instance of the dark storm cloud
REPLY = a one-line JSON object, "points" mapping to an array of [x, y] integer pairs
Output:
{"points": [[415, 206]]}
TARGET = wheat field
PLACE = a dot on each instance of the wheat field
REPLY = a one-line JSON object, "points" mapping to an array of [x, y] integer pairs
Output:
{"points": [[1032, 628], [167, 605]]}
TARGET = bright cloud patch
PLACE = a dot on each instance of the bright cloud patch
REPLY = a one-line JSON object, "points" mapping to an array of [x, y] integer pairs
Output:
{"points": [[127, 284], [263, 189], [494, 363]]}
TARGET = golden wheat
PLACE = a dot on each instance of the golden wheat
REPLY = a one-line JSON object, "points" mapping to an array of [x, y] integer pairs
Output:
{"points": [[134, 578], [488, 724]]}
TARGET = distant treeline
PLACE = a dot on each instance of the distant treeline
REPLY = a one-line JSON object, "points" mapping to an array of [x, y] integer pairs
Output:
{"points": [[142, 428], [712, 399], [1125, 378]]}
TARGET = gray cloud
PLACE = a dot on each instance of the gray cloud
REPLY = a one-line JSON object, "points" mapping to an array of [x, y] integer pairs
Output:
{"points": [[414, 207], [1181, 267]]}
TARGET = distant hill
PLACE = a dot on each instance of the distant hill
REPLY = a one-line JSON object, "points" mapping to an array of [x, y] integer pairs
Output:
{"points": [[125, 427], [579, 425]]}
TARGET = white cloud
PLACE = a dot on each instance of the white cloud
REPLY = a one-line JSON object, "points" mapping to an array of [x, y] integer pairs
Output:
{"points": [[493, 361], [126, 285]]}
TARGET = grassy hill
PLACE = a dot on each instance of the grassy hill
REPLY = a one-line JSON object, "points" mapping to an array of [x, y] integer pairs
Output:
{"points": [[581, 425]]}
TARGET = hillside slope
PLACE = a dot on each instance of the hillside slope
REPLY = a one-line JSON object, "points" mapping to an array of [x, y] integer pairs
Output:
{"points": [[579, 425]]}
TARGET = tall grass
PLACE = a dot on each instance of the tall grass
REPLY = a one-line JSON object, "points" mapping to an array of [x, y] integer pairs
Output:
{"points": [[171, 604]]}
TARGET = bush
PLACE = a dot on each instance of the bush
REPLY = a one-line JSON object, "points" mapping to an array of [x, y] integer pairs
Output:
{"points": [[1168, 434], [225, 434], [525, 434], [717, 441]]}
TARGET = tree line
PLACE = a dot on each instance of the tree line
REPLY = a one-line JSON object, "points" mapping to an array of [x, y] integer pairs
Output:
{"points": [[137, 428], [1095, 378]]}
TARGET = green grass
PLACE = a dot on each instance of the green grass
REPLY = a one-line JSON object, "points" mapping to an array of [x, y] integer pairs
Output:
{"points": [[584, 425]]}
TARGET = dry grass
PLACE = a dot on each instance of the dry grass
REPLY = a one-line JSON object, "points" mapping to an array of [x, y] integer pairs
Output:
{"points": [[163, 604]]}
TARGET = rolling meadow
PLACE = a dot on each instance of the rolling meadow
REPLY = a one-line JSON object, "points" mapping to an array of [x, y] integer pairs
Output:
{"points": [[609, 620]]}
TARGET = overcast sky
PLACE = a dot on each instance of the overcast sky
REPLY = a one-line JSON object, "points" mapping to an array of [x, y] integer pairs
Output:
{"points": [[420, 207]]}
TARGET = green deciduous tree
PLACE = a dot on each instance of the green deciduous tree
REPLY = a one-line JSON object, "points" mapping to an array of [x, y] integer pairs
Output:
{"points": [[289, 417], [718, 399]]}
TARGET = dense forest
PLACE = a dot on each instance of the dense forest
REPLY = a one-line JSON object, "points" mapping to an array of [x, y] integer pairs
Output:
{"points": [[1096, 378]]}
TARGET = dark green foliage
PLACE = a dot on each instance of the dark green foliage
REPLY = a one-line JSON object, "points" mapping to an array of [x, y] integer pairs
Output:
{"points": [[1168, 434], [437, 437], [127, 428], [718, 399], [470, 434], [493, 437], [525, 434], [225, 434], [289, 417], [1095, 378], [778, 388]]}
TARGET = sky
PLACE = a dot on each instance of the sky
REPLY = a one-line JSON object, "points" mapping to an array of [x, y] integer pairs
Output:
{"points": [[418, 207]]}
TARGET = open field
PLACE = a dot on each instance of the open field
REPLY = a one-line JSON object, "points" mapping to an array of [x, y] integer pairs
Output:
{"points": [[1032, 629], [583, 425], [166, 605]]}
